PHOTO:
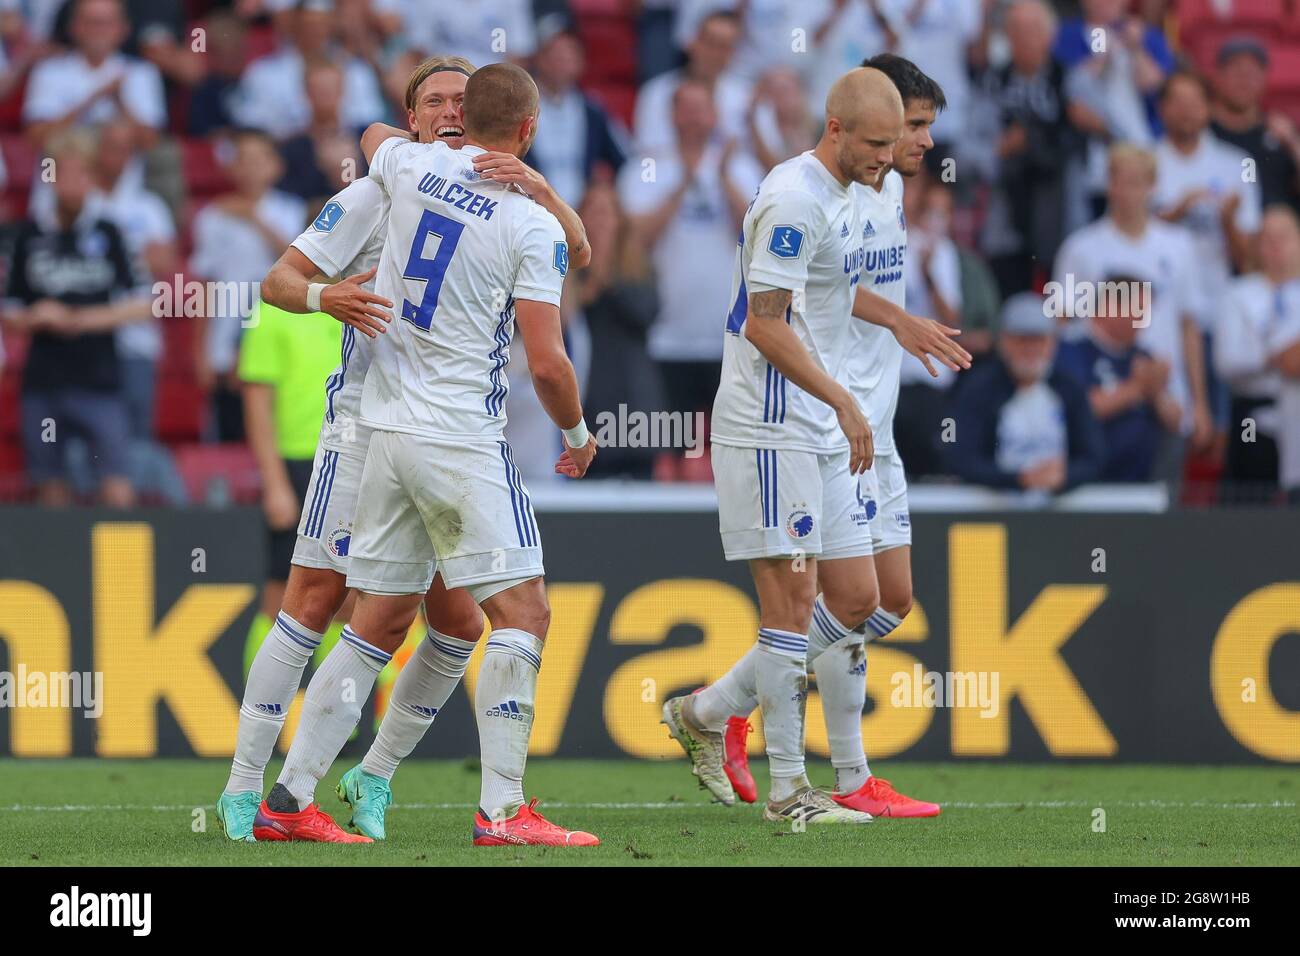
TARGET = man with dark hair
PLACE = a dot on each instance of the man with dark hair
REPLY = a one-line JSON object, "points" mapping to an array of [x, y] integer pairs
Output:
{"points": [[1271, 138]]}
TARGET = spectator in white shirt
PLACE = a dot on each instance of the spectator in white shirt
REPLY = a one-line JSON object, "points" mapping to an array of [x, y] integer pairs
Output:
{"points": [[237, 238], [688, 208], [708, 59], [779, 122], [1201, 184], [95, 83], [768, 38], [272, 95], [1257, 318], [1129, 240], [482, 31], [578, 135]]}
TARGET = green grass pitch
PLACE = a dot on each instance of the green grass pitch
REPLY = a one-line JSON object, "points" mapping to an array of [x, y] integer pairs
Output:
{"points": [[142, 813]]}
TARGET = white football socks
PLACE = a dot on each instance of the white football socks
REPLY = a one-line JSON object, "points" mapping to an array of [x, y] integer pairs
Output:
{"points": [[837, 656], [269, 690], [735, 692], [782, 684], [421, 690], [330, 711], [503, 707], [881, 623]]}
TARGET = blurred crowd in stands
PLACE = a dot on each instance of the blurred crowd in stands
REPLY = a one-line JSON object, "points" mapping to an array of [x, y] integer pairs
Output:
{"points": [[1151, 143]]}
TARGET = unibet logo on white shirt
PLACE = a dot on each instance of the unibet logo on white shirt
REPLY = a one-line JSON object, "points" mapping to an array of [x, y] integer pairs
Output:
{"points": [[802, 233], [873, 357], [458, 252], [345, 239]]}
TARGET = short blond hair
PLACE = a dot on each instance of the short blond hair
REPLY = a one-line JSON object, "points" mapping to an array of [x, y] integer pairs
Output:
{"points": [[1128, 152], [430, 66]]}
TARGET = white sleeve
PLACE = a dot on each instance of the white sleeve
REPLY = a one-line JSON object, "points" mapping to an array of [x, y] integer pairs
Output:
{"points": [[640, 195], [208, 256], [947, 273], [785, 228], [1249, 211], [543, 259], [157, 218], [344, 227], [520, 32], [44, 101], [383, 165], [1072, 260], [142, 92], [1238, 347]]}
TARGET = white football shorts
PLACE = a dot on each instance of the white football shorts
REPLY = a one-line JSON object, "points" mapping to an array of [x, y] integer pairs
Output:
{"points": [[430, 504], [776, 503]]}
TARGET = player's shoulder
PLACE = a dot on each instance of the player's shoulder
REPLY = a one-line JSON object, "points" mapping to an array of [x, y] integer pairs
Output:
{"points": [[362, 202], [792, 187]]}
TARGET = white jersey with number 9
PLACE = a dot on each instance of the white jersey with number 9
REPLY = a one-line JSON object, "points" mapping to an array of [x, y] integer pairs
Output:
{"points": [[459, 251]]}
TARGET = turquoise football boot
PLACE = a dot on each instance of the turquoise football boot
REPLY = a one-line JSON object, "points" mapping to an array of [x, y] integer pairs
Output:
{"points": [[368, 796], [235, 813]]}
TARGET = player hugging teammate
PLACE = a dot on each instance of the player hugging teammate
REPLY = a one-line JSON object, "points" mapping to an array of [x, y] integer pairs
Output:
{"points": [[461, 244], [815, 501], [498, 258]]}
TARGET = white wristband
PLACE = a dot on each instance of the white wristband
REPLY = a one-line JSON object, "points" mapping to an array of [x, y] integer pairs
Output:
{"points": [[314, 289], [577, 437]]}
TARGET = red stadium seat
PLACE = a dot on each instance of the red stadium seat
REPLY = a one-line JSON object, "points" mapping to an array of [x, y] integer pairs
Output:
{"points": [[207, 468], [1202, 29], [204, 175], [20, 165], [1284, 80]]}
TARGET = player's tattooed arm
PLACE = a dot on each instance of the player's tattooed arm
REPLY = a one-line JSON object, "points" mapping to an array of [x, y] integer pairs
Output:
{"points": [[767, 330], [921, 337]]}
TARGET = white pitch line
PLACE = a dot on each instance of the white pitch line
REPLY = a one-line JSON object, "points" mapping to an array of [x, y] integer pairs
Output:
{"points": [[956, 805]]}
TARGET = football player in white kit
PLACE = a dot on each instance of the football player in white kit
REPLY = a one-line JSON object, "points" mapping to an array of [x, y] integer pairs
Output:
{"points": [[789, 441], [346, 240], [464, 259], [871, 363], [836, 653]]}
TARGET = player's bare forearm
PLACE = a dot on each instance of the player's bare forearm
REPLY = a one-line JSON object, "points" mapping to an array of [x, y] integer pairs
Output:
{"points": [[553, 377], [375, 134], [556, 385], [768, 331], [285, 286], [920, 337], [575, 233]]}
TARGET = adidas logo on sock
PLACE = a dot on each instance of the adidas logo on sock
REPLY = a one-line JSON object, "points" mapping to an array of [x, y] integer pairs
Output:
{"points": [[509, 710], [430, 712], [273, 710]]}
